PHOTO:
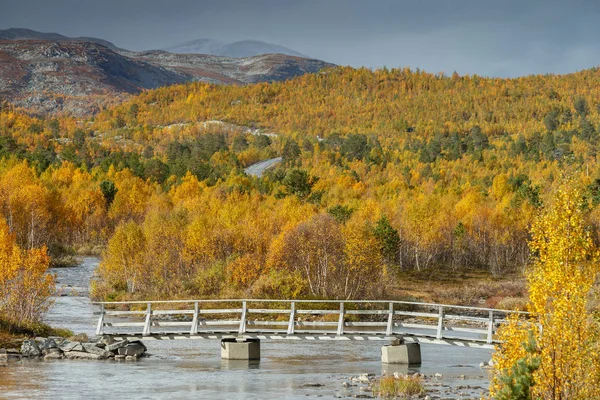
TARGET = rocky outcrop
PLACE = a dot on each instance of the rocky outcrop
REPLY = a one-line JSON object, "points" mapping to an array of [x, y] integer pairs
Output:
{"points": [[79, 77], [55, 348]]}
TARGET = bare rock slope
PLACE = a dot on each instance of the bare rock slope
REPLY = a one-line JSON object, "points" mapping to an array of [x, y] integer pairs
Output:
{"points": [[78, 76]]}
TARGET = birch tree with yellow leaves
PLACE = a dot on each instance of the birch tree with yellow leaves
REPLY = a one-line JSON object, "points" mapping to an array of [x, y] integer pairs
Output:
{"points": [[25, 286], [561, 356]]}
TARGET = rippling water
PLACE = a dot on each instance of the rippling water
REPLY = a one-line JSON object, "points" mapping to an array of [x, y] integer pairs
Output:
{"points": [[187, 369]]}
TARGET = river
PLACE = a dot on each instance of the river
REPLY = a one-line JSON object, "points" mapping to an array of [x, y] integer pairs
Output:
{"points": [[186, 369]]}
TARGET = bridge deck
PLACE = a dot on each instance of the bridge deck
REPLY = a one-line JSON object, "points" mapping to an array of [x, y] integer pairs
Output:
{"points": [[303, 320]]}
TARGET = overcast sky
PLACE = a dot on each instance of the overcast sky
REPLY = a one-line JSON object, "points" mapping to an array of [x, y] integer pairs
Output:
{"points": [[497, 38]]}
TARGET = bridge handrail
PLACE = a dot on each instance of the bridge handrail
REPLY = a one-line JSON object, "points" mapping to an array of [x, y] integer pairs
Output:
{"points": [[414, 303], [295, 324]]}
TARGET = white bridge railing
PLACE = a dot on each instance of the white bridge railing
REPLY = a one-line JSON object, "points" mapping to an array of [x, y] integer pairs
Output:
{"points": [[303, 319]]}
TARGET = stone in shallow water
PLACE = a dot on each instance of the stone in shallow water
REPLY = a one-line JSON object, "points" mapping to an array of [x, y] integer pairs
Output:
{"points": [[93, 349], [67, 345], [80, 355], [30, 349], [135, 349], [138, 342], [49, 346], [53, 355], [117, 345], [45, 344], [107, 340], [3, 357]]}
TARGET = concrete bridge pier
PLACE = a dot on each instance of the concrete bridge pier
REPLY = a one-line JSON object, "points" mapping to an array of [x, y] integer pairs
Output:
{"points": [[399, 352], [240, 349]]}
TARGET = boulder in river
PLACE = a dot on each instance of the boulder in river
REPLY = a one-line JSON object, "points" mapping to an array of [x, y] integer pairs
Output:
{"points": [[67, 345], [82, 355], [107, 340], [133, 349], [47, 344], [117, 345], [30, 348], [53, 354], [93, 349]]}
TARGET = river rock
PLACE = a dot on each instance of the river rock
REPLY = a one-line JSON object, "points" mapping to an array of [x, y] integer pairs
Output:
{"points": [[30, 348], [117, 345], [140, 343], [53, 354], [312, 385], [120, 357], [47, 345], [3, 357], [133, 349], [93, 349], [68, 345], [131, 358], [364, 378], [107, 340], [81, 355]]}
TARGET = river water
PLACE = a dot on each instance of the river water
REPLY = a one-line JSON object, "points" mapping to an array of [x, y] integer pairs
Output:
{"points": [[186, 369]]}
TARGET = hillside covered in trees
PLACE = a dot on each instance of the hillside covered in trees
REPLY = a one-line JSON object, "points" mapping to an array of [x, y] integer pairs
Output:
{"points": [[384, 172]]}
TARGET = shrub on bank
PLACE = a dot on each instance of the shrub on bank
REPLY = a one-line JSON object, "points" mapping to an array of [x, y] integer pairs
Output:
{"points": [[401, 386]]}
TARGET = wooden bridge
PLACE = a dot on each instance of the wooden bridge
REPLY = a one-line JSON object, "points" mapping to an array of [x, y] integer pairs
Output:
{"points": [[413, 322]]}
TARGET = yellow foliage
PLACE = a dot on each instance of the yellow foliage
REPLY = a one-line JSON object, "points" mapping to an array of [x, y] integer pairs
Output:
{"points": [[25, 286], [560, 282]]}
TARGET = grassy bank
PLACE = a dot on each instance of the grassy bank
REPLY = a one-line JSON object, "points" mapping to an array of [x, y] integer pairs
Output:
{"points": [[13, 334], [465, 287]]}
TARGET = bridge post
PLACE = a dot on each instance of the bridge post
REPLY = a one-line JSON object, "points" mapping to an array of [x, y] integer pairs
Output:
{"points": [[403, 353], [100, 327], [194, 328], [290, 330], [490, 332], [390, 323], [148, 325], [243, 319], [340, 329], [440, 327], [240, 349]]}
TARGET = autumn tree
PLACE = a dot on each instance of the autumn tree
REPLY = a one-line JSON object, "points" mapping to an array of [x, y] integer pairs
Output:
{"points": [[562, 326], [315, 249], [25, 286], [121, 266]]}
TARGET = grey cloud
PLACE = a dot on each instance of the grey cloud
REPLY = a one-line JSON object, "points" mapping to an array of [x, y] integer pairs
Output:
{"points": [[499, 38]]}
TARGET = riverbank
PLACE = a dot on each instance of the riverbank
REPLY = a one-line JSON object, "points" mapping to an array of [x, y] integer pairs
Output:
{"points": [[465, 287], [12, 335]]}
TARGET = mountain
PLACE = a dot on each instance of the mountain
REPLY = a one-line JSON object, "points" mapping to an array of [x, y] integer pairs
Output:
{"points": [[244, 48], [198, 46], [79, 77], [216, 69], [52, 76], [28, 34]]}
